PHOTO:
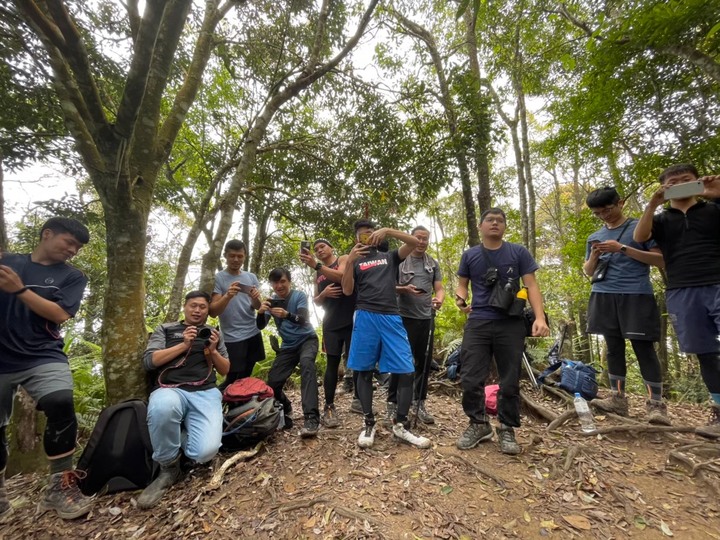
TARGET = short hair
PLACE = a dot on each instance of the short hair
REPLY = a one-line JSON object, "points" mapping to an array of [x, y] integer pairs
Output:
{"points": [[235, 245], [276, 274], [419, 228], [60, 225], [496, 211], [361, 223], [679, 168], [197, 294], [603, 196]]}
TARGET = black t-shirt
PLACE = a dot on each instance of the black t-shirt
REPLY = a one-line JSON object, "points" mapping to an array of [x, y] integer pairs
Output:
{"points": [[28, 340], [338, 311], [690, 244], [195, 367], [375, 279]]}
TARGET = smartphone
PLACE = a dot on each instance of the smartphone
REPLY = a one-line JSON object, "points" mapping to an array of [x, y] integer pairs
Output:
{"points": [[245, 288], [277, 303], [365, 238], [683, 191], [304, 246]]}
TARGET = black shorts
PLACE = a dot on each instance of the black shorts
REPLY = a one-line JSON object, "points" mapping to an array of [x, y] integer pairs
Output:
{"points": [[632, 316], [335, 340], [246, 352]]}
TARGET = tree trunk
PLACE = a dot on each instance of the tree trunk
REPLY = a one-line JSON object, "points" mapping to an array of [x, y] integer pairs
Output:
{"points": [[181, 270], [260, 240], [25, 436], [3, 227], [247, 207], [525, 142], [124, 334]]}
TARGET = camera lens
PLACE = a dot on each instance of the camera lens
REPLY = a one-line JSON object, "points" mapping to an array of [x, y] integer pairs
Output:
{"points": [[204, 333]]}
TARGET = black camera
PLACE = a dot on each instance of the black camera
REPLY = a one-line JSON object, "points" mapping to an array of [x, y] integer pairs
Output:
{"points": [[277, 303], [204, 333], [491, 276]]}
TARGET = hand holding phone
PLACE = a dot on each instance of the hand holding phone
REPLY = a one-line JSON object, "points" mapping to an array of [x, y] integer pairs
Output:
{"points": [[304, 246]]}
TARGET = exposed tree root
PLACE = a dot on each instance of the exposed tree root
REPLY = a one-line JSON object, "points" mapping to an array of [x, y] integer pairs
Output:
{"points": [[476, 468], [638, 428], [537, 409], [561, 420], [217, 478]]}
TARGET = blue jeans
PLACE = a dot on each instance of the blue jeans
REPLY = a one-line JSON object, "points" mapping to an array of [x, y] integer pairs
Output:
{"points": [[199, 414]]}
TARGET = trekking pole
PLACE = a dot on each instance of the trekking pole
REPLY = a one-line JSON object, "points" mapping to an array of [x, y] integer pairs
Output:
{"points": [[426, 368]]}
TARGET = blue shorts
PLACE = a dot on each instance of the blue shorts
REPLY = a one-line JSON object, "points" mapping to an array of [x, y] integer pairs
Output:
{"points": [[380, 338], [695, 314]]}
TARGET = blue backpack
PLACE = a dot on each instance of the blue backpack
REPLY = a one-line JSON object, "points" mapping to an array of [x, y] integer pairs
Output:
{"points": [[575, 377]]}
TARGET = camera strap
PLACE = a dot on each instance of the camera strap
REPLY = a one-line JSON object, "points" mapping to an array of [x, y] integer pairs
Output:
{"points": [[180, 363], [626, 225], [489, 263]]}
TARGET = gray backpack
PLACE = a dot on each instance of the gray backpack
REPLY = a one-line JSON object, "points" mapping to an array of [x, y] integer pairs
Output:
{"points": [[246, 424]]}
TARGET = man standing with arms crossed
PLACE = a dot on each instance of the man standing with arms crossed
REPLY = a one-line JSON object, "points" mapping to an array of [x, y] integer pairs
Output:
{"points": [[688, 234], [418, 277], [38, 292], [234, 301], [491, 333]]}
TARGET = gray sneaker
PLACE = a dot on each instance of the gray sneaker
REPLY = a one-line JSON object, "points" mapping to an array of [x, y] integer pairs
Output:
{"points": [[508, 444], [390, 413], [63, 495], [474, 435], [330, 418], [657, 413], [712, 429], [422, 414], [614, 404]]}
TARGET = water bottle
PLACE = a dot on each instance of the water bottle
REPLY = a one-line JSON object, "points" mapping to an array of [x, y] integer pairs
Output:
{"points": [[584, 414]]}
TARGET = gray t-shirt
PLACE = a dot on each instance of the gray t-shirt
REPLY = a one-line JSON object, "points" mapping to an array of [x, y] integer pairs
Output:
{"points": [[410, 305], [237, 322]]}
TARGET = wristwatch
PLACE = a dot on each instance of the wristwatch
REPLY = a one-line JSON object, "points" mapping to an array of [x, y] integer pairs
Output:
{"points": [[623, 248], [318, 265]]}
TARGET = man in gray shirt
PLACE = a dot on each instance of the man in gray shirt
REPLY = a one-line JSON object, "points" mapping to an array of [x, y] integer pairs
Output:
{"points": [[418, 277], [234, 300]]}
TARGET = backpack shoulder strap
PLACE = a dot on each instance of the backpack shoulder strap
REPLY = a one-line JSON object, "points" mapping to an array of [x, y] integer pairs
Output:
{"points": [[552, 368]]}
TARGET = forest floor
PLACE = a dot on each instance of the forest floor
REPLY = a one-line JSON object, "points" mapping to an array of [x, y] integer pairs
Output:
{"points": [[625, 484]]}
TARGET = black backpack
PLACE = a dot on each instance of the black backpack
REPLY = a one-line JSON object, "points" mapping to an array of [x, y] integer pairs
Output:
{"points": [[246, 424], [118, 456]]}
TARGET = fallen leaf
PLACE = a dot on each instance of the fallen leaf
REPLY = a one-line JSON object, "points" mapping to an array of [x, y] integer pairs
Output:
{"points": [[665, 529], [526, 517], [549, 524], [579, 522], [640, 523], [310, 523], [510, 525], [446, 490]]}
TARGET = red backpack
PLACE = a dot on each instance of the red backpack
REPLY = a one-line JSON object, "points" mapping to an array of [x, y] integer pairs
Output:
{"points": [[243, 390]]}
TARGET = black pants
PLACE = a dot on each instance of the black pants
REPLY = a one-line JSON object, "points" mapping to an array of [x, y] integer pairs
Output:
{"points": [[482, 339], [283, 366], [418, 331], [645, 353]]}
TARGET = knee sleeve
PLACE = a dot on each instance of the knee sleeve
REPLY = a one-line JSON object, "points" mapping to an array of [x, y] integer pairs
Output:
{"points": [[3, 448], [61, 429]]}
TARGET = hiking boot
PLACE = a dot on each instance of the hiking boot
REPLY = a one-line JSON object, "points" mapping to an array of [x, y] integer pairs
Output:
{"points": [[64, 496], [329, 418], [356, 406], [5, 508], [657, 413], [508, 444], [367, 436], [311, 427], [390, 412], [287, 422], [346, 387], [614, 404], [422, 414], [473, 435], [401, 433], [712, 430], [169, 475]]}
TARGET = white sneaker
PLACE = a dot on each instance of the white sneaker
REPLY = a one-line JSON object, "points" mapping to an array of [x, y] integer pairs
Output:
{"points": [[404, 435], [367, 437]]}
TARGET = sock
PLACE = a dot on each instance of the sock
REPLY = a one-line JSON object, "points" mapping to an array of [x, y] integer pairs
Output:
{"points": [[654, 390], [716, 399], [61, 464], [617, 384]]}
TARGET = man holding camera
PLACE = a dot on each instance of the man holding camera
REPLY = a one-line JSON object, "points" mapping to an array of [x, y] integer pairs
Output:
{"points": [[234, 301], [688, 234], [490, 331], [289, 309], [185, 409], [38, 292], [379, 336], [622, 304], [419, 277], [337, 320]]}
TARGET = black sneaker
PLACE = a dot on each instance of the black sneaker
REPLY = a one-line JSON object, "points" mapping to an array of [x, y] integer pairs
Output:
{"points": [[508, 444], [311, 427], [474, 435]]}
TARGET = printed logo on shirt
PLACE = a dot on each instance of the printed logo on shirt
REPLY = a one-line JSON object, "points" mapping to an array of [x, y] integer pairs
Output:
{"points": [[178, 335], [49, 281], [367, 265]]}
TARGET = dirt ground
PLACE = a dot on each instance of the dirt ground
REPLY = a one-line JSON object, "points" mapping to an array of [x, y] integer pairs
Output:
{"points": [[628, 484]]}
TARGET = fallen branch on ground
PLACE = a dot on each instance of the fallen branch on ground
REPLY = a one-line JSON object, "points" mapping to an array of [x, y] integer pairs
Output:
{"points": [[639, 428], [536, 408], [476, 468], [560, 420], [217, 478]]}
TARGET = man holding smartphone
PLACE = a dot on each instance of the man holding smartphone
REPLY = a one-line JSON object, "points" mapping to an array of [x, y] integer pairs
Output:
{"points": [[688, 234], [419, 277], [234, 300], [622, 304]]}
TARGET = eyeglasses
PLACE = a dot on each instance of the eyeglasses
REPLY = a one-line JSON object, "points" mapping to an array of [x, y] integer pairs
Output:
{"points": [[497, 220], [604, 210]]}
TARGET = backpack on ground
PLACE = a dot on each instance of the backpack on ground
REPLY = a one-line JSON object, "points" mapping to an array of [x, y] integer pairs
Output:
{"points": [[118, 455], [250, 413], [575, 377]]}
